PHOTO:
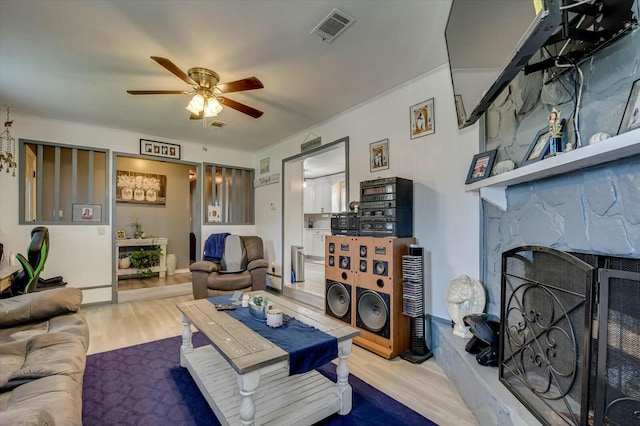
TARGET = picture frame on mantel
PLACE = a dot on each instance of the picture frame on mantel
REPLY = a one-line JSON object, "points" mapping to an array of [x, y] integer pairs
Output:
{"points": [[422, 119], [538, 149], [631, 117], [481, 166]]}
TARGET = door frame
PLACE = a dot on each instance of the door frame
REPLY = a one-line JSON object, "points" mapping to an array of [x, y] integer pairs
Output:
{"points": [[294, 179], [196, 204]]}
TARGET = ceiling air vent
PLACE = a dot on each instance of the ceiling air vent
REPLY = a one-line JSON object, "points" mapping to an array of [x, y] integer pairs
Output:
{"points": [[218, 124], [333, 25]]}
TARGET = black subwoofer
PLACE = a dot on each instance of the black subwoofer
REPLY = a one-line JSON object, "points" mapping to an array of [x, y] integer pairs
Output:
{"points": [[338, 300], [372, 311]]}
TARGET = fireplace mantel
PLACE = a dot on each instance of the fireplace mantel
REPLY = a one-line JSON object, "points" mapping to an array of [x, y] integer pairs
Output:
{"points": [[493, 189]]}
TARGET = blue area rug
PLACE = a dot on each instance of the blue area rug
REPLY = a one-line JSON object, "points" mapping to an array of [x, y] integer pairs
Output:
{"points": [[145, 385]]}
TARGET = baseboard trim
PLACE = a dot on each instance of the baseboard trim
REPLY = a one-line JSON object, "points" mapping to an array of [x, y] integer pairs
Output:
{"points": [[154, 293]]}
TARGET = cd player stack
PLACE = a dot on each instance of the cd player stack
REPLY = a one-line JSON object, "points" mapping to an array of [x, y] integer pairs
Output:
{"points": [[386, 207]]}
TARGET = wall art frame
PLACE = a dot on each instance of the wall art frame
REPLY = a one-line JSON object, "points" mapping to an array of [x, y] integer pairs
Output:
{"points": [[631, 116], [379, 155], [121, 234], [265, 166], [481, 166], [159, 149], [141, 188], [422, 119], [86, 212], [539, 147], [214, 213]]}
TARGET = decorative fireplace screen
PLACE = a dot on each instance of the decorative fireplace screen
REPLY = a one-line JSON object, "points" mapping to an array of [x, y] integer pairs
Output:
{"points": [[555, 309]]}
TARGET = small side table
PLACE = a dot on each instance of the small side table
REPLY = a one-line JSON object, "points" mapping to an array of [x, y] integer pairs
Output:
{"points": [[7, 273]]}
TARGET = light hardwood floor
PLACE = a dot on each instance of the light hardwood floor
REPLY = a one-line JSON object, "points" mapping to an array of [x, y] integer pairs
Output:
{"points": [[422, 387]]}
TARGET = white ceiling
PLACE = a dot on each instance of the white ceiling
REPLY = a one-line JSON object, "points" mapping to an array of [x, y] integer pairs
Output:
{"points": [[73, 60]]}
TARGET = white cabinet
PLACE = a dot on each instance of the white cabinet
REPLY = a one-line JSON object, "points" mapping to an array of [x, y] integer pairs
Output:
{"points": [[314, 241], [325, 195], [322, 197], [308, 242], [338, 197], [307, 198]]}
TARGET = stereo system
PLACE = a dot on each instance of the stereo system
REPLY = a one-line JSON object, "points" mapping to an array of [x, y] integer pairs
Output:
{"points": [[364, 289], [385, 210], [386, 207], [345, 224]]}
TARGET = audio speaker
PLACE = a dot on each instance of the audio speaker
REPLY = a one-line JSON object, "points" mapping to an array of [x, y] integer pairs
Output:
{"points": [[379, 295], [340, 257], [338, 300], [380, 267], [363, 265], [373, 312]]}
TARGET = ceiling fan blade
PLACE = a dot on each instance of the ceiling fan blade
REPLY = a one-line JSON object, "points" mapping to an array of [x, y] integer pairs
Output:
{"points": [[198, 116], [156, 92], [250, 83], [240, 107], [173, 68]]}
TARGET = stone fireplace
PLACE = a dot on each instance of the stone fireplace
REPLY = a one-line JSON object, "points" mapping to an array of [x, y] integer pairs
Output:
{"points": [[592, 210]]}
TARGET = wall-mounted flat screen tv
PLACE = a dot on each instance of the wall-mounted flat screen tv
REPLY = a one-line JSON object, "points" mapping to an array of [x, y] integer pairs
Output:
{"points": [[489, 42]]}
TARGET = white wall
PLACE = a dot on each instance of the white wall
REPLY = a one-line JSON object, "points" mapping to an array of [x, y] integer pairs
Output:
{"points": [[446, 219], [79, 253]]}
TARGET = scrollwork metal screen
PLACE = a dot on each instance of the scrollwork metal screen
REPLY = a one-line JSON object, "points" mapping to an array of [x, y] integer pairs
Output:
{"points": [[545, 332]]}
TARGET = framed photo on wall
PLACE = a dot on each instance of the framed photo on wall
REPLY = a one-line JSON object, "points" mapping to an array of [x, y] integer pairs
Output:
{"points": [[214, 213], [423, 119], [631, 117], [538, 149], [86, 213], [140, 188], [264, 165], [379, 155], [481, 166], [159, 149]]}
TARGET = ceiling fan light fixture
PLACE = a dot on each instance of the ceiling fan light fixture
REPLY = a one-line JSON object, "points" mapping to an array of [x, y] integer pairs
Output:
{"points": [[213, 107], [196, 105]]}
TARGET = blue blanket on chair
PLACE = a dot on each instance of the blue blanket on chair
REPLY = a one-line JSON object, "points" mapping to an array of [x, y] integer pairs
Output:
{"points": [[214, 247]]}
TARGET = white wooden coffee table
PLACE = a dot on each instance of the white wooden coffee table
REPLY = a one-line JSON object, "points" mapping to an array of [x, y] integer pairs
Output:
{"points": [[229, 370]]}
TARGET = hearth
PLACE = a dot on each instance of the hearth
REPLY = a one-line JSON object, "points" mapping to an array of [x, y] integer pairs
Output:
{"points": [[570, 335]]}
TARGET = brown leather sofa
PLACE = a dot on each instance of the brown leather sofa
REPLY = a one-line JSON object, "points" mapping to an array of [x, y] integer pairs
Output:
{"points": [[43, 347], [209, 279]]}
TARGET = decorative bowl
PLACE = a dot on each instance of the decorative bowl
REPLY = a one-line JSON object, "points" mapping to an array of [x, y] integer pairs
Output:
{"points": [[258, 313]]}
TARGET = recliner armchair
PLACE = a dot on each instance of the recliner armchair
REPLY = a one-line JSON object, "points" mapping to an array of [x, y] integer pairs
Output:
{"points": [[27, 280], [241, 267]]}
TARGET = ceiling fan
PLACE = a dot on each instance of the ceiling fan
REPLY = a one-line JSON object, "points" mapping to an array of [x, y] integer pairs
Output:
{"points": [[207, 100]]}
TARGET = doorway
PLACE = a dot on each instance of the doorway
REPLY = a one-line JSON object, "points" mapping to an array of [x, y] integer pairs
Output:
{"points": [[315, 185], [172, 214]]}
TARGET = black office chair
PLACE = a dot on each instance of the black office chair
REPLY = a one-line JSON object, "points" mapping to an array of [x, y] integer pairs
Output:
{"points": [[27, 280]]}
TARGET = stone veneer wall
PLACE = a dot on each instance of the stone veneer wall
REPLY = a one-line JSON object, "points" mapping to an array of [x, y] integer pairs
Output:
{"points": [[593, 210]]}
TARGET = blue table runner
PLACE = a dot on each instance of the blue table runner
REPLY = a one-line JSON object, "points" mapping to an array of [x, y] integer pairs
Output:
{"points": [[307, 346]]}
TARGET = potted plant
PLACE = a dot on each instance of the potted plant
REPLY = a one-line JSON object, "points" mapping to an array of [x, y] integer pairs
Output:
{"points": [[137, 228], [124, 262], [144, 259]]}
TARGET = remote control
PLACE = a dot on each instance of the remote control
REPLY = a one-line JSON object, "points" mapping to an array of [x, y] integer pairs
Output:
{"points": [[225, 307]]}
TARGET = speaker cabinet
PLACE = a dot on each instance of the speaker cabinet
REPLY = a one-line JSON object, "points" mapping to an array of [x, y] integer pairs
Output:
{"points": [[373, 312], [368, 271], [340, 255], [338, 300]]}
